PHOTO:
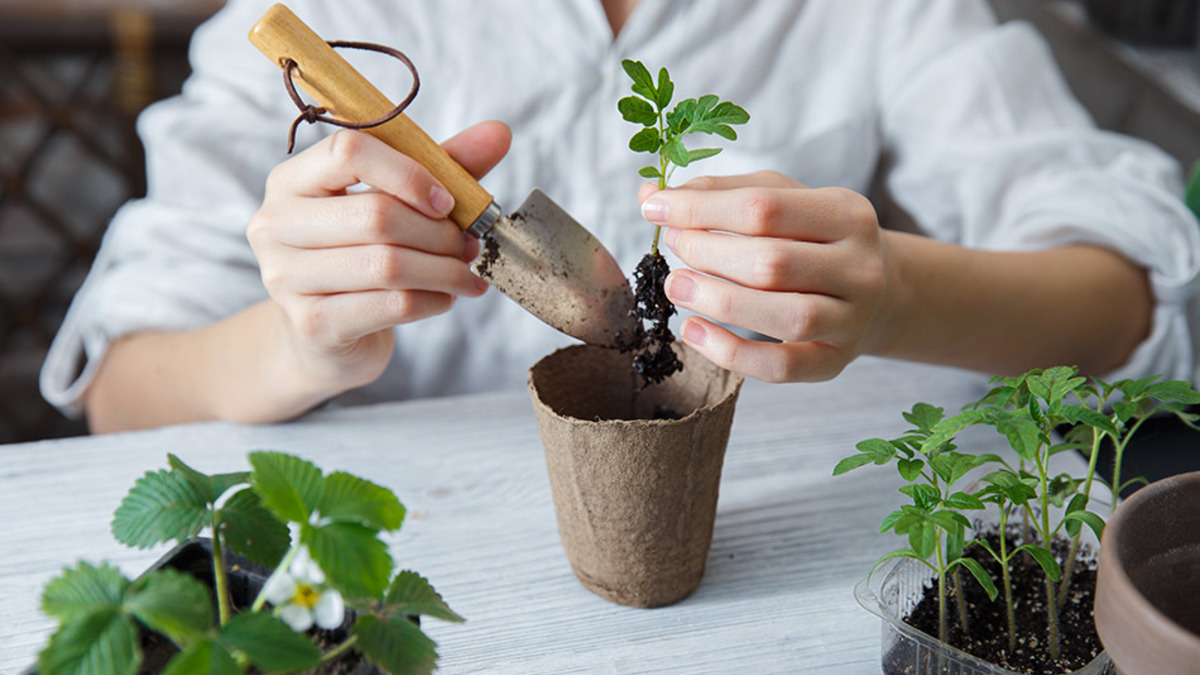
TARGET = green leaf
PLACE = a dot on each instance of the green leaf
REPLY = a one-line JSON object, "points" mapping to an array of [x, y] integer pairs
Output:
{"points": [[962, 500], [907, 521], [923, 539], [1125, 410], [954, 544], [950, 521], [268, 642], [172, 603], [82, 590], [910, 469], [728, 113], [945, 430], [961, 465], [162, 506], [680, 118], [977, 571], [1053, 384], [1132, 389], [924, 417], [1023, 434], [850, 463], [1174, 390], [412, 594], [211, 486], [353, 558], [289, 486], [1092, 520], [1011, 485], [649, 172], [676, 152], [646, 140], [880, 451], [643, 83], [251, 530], [1043, 557], [666, 89], [396, 645], [702, 153], [203, 658], [103, 642], [638, 111], [349, 498], [923, 496], [890, 520], [1077, 414]]}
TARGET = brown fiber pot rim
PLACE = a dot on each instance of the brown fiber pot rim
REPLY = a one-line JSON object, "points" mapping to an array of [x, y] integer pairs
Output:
{"points": [[1123, 613], [729, 394]]}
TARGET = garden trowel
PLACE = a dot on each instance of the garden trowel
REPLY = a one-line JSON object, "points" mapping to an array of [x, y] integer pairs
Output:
{"points": [[538, 256]]}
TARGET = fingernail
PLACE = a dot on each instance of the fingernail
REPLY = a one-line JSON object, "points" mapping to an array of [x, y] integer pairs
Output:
{"points": [[654, 210], [694, 334], [440, 200], [671, 236], [481, 285], [681, 289]]}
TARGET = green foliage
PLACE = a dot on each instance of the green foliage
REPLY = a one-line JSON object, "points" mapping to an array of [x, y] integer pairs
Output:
{"points": [[268, 643], [395, 644], [410, 594], [1029, 412], [663, 128], [340, 519]]}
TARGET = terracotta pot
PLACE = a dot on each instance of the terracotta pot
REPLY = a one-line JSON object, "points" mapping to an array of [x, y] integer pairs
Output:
{"points": [[1148, 588], [635, 493]]}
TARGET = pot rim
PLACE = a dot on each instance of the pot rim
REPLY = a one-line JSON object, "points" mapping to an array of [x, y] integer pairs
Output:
{"points": [[1112, 570], [733, 389]]}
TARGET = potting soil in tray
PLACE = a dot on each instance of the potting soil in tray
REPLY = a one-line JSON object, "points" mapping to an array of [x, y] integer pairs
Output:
{"points": [[987, 635], [245, 581]]}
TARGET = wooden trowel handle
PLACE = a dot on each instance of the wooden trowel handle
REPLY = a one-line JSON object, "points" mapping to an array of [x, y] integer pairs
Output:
{"points": [[346, 94]]}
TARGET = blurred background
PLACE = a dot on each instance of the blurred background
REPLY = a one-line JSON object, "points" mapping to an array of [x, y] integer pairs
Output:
{"points": [[75, 73]]}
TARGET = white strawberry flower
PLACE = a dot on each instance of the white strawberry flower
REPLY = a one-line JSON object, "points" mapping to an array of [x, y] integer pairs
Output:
{"points": [[301, 598]]}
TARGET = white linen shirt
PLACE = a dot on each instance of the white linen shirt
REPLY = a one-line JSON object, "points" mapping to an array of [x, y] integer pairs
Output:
{"points": [[985, 145]]}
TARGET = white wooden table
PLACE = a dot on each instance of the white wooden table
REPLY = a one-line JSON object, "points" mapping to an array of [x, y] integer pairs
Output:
{"points": [[790, 540]]}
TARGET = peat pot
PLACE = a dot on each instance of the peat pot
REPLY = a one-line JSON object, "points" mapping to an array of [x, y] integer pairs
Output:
{"points": [[1148, 590], [634, 471]]}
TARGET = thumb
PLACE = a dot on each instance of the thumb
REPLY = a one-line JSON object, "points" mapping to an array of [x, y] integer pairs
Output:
{"points": [[480, 147]]}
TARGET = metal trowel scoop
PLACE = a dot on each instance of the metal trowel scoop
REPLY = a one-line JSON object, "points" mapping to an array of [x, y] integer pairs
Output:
{"points": [[538, 256]]}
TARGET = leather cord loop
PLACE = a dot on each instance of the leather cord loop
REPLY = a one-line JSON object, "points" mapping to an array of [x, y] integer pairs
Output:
{"points": [[313, 114]]}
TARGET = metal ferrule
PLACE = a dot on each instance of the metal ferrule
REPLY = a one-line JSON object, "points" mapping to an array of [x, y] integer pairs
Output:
{"points": [[483, 224]]}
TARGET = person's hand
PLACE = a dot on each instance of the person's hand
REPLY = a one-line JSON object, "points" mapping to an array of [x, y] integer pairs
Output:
{"points": [[804, 266], [345, 267]]}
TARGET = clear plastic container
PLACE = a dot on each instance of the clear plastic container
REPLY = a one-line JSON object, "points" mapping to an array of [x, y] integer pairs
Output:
{"points": [[892, 592]]}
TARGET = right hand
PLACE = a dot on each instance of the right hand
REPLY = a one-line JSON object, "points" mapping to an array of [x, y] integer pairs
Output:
{"points": [[344, 268]]}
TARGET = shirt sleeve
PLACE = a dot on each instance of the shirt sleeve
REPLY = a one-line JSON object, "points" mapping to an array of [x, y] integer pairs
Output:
{"points": [[179, 258], [990, 150]]}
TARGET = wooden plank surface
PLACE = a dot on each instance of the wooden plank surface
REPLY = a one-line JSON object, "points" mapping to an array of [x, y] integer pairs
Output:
{"points": [[790, 541]]}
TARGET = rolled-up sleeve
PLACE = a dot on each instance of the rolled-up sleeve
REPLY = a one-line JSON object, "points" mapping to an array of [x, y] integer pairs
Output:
{"points": [[179, 258], [990, 150]]}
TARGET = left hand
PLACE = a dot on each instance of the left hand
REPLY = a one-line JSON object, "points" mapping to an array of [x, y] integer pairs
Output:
{"points": [[810, 269]]}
